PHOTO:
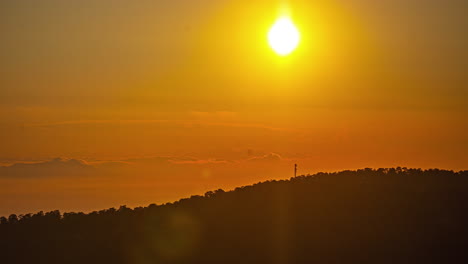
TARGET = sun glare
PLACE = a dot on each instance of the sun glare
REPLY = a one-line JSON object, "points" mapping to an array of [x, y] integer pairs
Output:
{"points": [[283, 36]]}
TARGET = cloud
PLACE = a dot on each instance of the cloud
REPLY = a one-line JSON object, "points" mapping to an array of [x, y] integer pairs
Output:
{"points": [[200, 161], [149, 160], [214, 115], [63, 167], [161, 160], [54, 167], [195, 122], [267, 158]]}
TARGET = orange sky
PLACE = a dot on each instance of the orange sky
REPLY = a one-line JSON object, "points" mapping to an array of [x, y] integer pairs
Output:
{"points": [[151, 101]]}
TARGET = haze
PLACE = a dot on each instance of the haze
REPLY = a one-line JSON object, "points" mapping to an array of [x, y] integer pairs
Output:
{"points": [[104, 103]]}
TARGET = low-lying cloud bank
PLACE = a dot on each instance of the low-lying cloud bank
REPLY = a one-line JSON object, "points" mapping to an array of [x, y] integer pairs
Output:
{"points": [[55, 167], [69, 167]]}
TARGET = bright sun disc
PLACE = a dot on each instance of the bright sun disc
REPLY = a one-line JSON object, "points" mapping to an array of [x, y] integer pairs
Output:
{"points": [[283, 36]]}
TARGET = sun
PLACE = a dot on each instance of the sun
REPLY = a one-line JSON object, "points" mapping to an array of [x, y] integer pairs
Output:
{"points": [[283, 36]]}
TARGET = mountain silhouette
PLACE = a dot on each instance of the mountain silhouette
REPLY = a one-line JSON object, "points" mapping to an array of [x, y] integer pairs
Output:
{"points": [[394, 215]]}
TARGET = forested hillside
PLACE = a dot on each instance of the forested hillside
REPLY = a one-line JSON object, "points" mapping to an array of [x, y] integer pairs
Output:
{"points": [[366, 216]]}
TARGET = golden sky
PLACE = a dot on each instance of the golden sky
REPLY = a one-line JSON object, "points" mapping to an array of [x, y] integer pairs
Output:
{"points": [[150, 101]]}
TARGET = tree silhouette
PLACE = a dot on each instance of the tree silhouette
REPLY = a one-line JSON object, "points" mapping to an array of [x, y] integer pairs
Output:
{"points": [[387, 215]]}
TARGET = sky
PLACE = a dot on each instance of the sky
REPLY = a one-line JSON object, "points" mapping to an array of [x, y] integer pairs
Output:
{"points": [[112, 102]]}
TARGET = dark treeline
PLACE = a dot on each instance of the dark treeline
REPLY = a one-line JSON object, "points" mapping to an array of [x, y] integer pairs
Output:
{"points": [[366, 216]]}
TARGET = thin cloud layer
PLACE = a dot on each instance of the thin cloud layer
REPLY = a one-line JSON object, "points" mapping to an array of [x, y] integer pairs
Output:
{"points": [[184, 123], [267, 157], [64, 167], [55, 167]]}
